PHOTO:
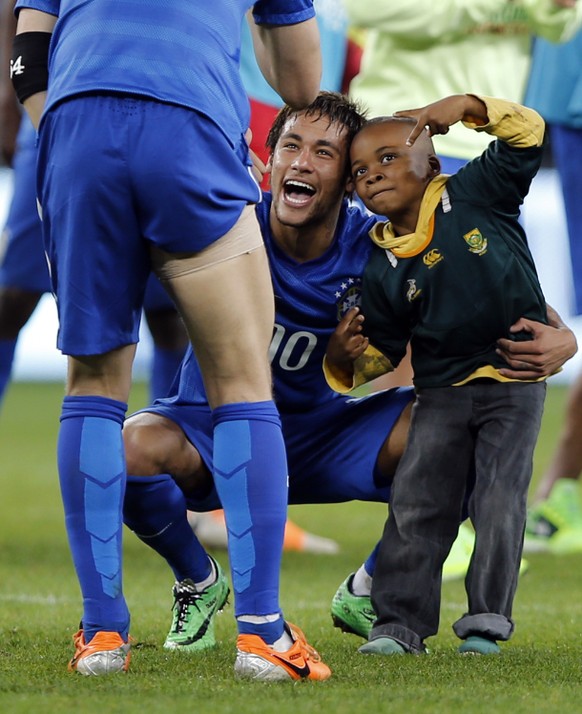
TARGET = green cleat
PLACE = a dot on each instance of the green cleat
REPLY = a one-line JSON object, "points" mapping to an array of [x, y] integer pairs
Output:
{"points": [[457, 562], [352, 613], [192, 628], [555, 525], [459, 557]]}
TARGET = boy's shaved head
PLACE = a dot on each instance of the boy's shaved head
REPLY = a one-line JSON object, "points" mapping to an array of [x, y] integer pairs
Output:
{"points": [[423, 142], [391, 175]]}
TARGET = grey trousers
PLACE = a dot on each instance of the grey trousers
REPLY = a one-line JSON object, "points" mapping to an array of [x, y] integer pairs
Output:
{"points": [[474, 441]]}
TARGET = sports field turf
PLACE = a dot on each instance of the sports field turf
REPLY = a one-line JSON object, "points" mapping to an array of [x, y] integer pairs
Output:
{"points": [[540, 670]]}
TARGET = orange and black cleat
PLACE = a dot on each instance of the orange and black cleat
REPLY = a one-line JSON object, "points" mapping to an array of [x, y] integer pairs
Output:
{"points": [[106, 653], [257, 660]]}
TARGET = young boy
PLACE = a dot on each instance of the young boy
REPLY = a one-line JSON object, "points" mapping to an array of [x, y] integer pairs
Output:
{"points": [[451, 271]]}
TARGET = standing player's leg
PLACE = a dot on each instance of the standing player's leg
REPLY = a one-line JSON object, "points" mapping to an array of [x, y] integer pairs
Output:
{"points": [[99, 282], [250, 469]]}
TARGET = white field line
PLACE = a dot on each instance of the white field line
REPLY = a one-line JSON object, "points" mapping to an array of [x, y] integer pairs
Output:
{"points": [[30, 599]]}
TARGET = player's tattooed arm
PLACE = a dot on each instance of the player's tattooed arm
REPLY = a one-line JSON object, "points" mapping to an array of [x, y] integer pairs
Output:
{"points": [[351, 360]]}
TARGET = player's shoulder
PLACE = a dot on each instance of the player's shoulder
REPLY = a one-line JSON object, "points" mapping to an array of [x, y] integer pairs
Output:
{"points": [[354, 224]]}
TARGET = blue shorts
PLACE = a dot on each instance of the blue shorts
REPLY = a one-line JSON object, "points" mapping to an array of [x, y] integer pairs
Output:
{"points": [[331, 450], [24, 263], [117, 174]]}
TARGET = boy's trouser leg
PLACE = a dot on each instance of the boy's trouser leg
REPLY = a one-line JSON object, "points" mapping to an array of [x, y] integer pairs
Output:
{"points": [[508, 420], [427, 500]]}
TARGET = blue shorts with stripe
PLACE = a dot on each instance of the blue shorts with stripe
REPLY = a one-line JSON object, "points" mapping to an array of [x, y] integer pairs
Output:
{"points": [[116, 175], [331, 450]]}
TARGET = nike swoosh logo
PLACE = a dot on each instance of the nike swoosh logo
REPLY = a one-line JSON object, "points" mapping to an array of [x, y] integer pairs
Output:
{"points": [[302, 672], [201, 632]]}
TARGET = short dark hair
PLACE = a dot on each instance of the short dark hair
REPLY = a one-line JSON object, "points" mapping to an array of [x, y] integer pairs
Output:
{"points": [[336, 107]]}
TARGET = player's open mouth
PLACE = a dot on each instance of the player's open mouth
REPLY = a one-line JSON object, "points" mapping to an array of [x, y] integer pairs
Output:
{"points": [[298, 193]]}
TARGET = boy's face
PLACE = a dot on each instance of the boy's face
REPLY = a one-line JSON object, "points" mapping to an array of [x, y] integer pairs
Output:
{"points": [[389, 176], [308, 170]]}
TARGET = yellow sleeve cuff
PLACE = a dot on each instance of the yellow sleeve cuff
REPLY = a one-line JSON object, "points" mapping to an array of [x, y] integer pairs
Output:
{"points": [[367, 367], [511, 122]]}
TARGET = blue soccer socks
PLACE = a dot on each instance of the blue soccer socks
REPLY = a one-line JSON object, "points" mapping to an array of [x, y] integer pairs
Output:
{"points": [[91, 465], [250, 473], [155, 509]]}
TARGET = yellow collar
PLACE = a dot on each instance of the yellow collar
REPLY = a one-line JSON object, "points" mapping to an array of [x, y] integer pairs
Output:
{"points": [[413, 243]]}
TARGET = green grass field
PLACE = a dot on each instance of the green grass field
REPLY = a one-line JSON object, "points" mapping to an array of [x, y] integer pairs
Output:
{"points": [[539, 671]]}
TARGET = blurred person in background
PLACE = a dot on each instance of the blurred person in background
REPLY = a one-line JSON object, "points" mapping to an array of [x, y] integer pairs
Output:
{"points": [[555, 89]]}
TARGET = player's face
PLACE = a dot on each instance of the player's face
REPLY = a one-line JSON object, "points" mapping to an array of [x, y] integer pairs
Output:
{"points": [[308, 167], [389, 176]]}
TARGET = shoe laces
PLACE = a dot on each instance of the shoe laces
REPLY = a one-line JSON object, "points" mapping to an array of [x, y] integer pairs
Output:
{"points": [[312, 653], [185, 596], [299, 637]]}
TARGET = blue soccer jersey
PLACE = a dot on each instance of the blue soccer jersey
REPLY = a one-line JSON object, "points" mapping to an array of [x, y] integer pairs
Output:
{"points": [[310, 299], [105, 45]]}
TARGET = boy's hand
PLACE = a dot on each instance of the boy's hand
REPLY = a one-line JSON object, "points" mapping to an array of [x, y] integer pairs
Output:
{"points": [[347, 343], [436, 118]]}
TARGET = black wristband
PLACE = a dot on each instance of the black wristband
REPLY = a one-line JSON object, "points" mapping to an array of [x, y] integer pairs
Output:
{"points": [[29, 63]]}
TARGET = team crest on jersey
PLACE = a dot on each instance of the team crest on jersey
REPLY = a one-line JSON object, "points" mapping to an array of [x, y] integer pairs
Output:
{"points": [[432, 258], [348, 295], [476, 241], [413, 292]]}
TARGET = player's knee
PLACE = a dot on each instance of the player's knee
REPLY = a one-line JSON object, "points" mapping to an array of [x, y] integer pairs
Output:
{"points": [[142, 447]]}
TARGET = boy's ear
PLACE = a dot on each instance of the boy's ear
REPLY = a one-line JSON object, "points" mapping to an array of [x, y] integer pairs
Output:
{"points": [[350, 185], [434, 165]]}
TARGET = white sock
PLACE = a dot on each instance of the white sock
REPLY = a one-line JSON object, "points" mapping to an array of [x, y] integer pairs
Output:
{"points": [[362, 583], [210, 580], [283, 643]]}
